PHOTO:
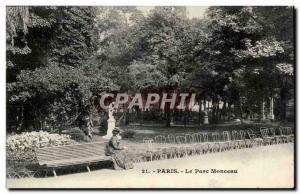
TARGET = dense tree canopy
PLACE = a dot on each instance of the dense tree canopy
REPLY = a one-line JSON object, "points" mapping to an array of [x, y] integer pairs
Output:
{"points": [[61, 59]]}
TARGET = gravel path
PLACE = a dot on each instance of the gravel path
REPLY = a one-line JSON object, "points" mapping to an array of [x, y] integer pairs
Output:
{"points": [[263, 167]]}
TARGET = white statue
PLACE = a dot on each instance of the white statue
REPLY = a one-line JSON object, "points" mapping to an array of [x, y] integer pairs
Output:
{"points": [[111, 122]]}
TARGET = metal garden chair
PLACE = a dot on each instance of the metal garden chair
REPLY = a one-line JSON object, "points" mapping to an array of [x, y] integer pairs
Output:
{"points": [[180, 139], [190, 144], [149, 143], [160, 139], [189, 139], [265, 135], [290, 134], [171, 138], [254, 137], [277, 138], [216, 142], [228, 143], [237, 141], [242, 135]]}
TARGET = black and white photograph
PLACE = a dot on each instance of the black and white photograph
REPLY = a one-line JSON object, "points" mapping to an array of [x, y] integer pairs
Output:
{"points": [[150, 97]]}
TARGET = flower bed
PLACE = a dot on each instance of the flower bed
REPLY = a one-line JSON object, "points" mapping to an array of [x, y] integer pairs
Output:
{"points": [[20, 148], [30, 140]]}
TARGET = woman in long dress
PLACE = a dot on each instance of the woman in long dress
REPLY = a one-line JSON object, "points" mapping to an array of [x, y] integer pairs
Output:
{"points": [[117, 152]]}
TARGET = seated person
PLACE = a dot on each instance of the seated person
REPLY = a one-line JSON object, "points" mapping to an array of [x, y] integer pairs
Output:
{"points": [[117, 152]]}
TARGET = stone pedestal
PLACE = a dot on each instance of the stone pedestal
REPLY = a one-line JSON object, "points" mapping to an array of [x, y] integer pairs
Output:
{"points": [[206, 118], [271, 115], [172, 122]]}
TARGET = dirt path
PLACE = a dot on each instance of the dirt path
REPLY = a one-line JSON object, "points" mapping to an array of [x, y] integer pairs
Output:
{"points": [[264, 167]]}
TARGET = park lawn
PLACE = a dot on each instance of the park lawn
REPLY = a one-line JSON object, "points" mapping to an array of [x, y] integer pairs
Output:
{"points": [[147, 131]]}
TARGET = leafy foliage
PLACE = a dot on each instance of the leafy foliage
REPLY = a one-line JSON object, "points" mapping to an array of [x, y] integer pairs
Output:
{"points": [[50, 79], [61, 59]]}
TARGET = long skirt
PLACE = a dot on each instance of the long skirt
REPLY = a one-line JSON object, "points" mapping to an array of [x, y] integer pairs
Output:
{"points": [[121, 160]]}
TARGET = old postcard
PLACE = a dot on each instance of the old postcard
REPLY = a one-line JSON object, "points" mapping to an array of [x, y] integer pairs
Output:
{"points": [[150, 97]]}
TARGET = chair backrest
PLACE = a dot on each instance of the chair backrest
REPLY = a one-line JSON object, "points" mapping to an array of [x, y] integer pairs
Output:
{"points": [[272, 132], [197, 137], [171, 138], [160, 139], [289, 130], [250, 133], [235, 135], [149, 143], [242, 134], [263, 128], [215, 136], [189, 138], [282, 130], [180, 139], [264, 131], [205, 137], [226, 136]]}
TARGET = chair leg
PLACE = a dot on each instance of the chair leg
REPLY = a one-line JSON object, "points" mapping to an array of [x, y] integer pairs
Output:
{"points": [[88, 168]]}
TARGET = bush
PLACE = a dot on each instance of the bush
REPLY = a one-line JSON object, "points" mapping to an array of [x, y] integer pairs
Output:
{"points": [[31, 140], [20, 147], [77, 134], [127, 134], [26, 157]]}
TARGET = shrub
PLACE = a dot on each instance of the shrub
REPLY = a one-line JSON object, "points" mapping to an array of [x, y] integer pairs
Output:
{"points": [[31, 140], [127, 134], [77, 134], [26, 157], [20, 147]]}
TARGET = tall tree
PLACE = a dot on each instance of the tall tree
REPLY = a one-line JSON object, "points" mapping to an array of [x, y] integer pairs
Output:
{"points": [[60, 41], [240, 53]]}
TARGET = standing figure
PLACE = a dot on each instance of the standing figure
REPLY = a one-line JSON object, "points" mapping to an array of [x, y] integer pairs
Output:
{"points": [[85, 124], [117, 152], [90, 128]]}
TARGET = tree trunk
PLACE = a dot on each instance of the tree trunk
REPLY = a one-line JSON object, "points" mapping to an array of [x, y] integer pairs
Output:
{"points": [[263, 111], [20, 123], [169, 118], [240, 110], [283, 103], [199, 113]]}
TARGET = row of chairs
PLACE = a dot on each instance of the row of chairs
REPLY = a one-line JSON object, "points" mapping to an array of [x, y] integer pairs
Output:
{"points": [[268, 136], [204, 142]]}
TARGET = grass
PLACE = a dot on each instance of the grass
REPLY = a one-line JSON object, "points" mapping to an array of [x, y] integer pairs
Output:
{"points": [[142, 132]]}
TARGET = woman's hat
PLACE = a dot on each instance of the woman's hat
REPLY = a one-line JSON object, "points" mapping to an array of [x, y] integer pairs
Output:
{"points": [[116, 130]]}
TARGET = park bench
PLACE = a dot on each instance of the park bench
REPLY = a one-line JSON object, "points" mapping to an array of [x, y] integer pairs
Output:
{"points": [[71, 155]]}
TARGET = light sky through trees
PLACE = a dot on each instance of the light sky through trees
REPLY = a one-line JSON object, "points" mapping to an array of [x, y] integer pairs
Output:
{"points": [[192, 11]]}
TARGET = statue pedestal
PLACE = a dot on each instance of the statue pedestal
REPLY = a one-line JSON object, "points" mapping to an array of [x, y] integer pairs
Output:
{"points": [[206, 119], [111, 124], [172, 122]]}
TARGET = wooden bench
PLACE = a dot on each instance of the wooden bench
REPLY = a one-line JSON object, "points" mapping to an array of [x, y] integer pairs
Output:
{"points": [[69, 155]]}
